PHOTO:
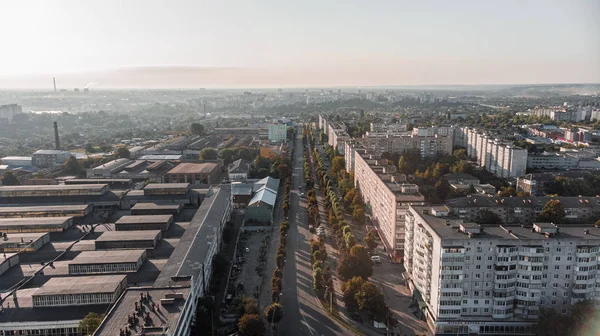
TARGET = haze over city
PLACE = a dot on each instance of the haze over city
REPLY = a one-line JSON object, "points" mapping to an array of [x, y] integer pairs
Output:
{"points": [[234, 44]]}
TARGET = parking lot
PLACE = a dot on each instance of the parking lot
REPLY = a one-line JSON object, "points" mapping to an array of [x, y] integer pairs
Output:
{"points": [[249, 264]]}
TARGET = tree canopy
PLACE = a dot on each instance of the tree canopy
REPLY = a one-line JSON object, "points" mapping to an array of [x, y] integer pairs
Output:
{"points": [[72, 166], [90, 323], [122, 152], [197, 129], [208, 154], [10, 179], [552, 212], [251, 325], [371, 301]]}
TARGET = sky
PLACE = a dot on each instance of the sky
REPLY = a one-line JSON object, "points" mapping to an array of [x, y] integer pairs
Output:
{"points": [[298, 42]]}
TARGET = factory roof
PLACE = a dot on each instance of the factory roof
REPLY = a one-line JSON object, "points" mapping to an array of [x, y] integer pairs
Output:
{"points": [[95, 181], [107, 257], [50, 151], [269, 182], [21, 310], [24, 158], [239, 166], [13, 238], [152, 186], [189, 257], [35, 221], [521, 202], [93, 187], [81, 285], [238, 188], [165, 318], [160, 157], [129, 235], [154, 206], [45, 208], [193, 168], [143, 219]]}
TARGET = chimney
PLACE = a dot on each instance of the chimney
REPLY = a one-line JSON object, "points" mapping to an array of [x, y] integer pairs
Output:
{"points": [[56, 140], [54, 81]]}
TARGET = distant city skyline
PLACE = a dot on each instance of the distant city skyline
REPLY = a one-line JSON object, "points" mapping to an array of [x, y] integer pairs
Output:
{"points": [[230, 44]]}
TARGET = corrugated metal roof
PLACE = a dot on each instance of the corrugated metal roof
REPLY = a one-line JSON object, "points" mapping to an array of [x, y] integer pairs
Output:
{"points": [[264, 195]]}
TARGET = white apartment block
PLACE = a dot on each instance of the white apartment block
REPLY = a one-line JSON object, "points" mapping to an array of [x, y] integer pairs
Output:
{"points": [[388, 197], [351, 148], [277, 132], [500, 158], [552, 161], [482, 280], [399, 142], [338, 140]]}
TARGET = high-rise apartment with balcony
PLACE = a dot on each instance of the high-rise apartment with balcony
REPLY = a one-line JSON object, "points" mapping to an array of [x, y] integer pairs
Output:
{"points": [[481, 280]]}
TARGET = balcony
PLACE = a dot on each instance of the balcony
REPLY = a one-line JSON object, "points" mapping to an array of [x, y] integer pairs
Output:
{"points": [[505, 315]]}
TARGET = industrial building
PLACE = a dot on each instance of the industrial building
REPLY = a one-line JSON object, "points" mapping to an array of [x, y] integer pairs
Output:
{"points": [[167, 189], [49, 158], [128, 240], [53, 190], [113, 183], [107, 262], [194, 173], [169, 311], [167, 193], [144, 222], [495, 279], [238, 170], [261, 207], [80, 291], [23, 242], [8, 260], [75, 211], [35, 224], [140, 209], [107, 170]]}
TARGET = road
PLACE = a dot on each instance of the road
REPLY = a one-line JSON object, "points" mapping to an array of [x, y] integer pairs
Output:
{"points": [[303, 314]]}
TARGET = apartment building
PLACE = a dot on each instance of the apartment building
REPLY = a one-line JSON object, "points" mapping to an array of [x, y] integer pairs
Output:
{"points": [[351, 148], [481, 280], [399, 142], [523, 210], [551, 161], [277, 132], [338, 140], [500, 158], [388, 196]]}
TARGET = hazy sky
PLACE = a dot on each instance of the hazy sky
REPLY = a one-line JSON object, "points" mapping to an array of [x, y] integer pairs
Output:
{"points": [[308, 42]]}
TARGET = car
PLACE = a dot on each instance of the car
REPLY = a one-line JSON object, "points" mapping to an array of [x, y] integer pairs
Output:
{"points": [[376, 260], [301, 194]]}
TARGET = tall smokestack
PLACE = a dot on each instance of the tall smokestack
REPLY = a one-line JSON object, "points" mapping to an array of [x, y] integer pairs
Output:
{"points": [[54, 81], [56, 140]]}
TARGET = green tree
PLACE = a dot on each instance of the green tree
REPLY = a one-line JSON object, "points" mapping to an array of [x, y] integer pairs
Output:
{"points": [[197, 129], [441, 189], [10, 179], [89, 148], [274, 313], [122, 152], [359, 215], [208, 154], [551, 323], [251, 325], [337, 165], [249, 306], [460, 154], [72, 166], [371, 301], [355, 263], [507, 192], [552, 212], [349, 289], [227, 155], [263, 162], [371, 239], [90, 323]]}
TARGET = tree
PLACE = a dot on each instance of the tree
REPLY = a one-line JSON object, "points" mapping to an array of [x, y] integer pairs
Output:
{"points": [[337, 165], [250, 306], [359, 215], [507, 192], [284, 171], [371, 239], [89, 148], [487, 217], [122, 152], [552, 212], [10, 179], [208, 154], [72, 166], [197, 129], [274, 313], [460, 154], [371, 301], [355, 263], [551, 323], [441, 189], [251, 325], [90, 323], [263, 162], [227, 155], [350, 288]]}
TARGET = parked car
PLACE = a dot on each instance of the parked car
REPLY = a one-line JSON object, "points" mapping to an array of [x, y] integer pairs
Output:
{"points": [[376, 260]]}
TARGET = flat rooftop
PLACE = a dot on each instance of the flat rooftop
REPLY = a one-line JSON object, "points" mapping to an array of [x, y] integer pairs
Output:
{"points": [[154, 206], [107, 257], [152, 186], [145, 219], [438, 224], [96, 180], [166, 318], [15, 238], [193, 168], [46, 208], [129, 235], [95, 187], [81, 285], [34, 221]]}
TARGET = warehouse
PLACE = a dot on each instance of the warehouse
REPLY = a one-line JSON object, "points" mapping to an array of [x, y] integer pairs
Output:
{"points": [[54, 190], [80, 291], [77, 211], [113, 184], [8, 260], [128, 240], [140, 209], [23, 242], [167, 189], [195, 173], [146, 222], [37, 224], [107, 262]]}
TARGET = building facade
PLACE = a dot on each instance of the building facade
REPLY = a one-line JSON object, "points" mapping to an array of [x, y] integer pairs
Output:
{"points": [[475, 280], [277, 132], [48, 158]]}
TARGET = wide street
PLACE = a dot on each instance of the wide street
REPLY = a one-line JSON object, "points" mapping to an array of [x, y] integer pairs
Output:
{"points": [[303, 314]]}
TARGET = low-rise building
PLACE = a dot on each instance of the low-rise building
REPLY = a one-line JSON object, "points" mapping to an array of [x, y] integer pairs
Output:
{"points": [[35, 224], [23, 161], [107, 262], [80, 291], [261, 207], [461, 178], [49, 158], [8, 260], [109, 169], [23, 242], [76, 211], [194, 173], [140, 209], [144, 222], [128, 240], [238, 170], [551, 161], [277, 132]]}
